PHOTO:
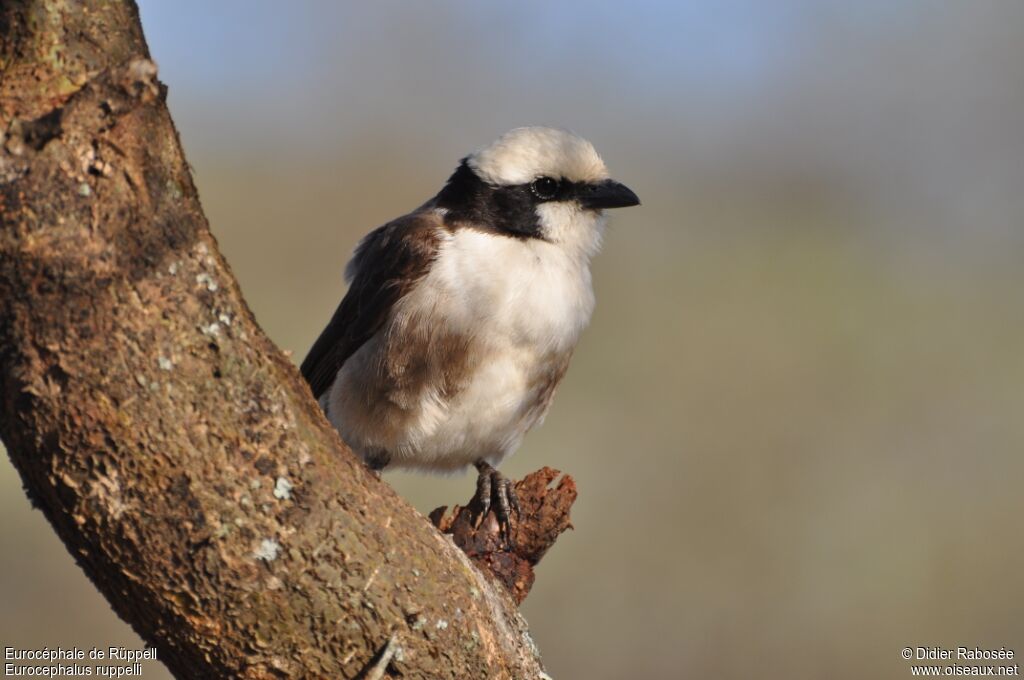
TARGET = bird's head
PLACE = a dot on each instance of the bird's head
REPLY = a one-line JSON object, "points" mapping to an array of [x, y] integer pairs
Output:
{"points": [[536, 182]]}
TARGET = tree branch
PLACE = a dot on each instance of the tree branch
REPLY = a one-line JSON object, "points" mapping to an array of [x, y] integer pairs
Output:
{"points": [[544, 516], [176, 452]]}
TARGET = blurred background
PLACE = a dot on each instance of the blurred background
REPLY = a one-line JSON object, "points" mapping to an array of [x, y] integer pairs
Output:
{"points": [[797, 419]]}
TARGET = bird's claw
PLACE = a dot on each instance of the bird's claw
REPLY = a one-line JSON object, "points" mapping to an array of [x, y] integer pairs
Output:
{"points": [[492, 484]]}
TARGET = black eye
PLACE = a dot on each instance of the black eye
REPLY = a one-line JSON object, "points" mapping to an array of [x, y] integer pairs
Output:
{"points": [[545, 188]]}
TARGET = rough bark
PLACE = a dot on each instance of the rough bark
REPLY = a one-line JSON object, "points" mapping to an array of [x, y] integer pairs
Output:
{"points": [[176, 452]]}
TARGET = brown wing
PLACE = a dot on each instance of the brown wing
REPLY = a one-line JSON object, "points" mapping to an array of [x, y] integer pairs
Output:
{"points": [[387, 264]]}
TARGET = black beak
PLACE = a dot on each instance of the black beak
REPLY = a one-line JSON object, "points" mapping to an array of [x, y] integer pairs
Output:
{"points": [[607, 194]]}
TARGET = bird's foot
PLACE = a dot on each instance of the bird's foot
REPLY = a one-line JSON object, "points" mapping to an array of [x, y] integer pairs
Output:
{"points": [[491, 484]]}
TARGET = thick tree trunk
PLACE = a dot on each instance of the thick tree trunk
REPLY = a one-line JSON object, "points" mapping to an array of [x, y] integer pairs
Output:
{"points": [[177, 453]]}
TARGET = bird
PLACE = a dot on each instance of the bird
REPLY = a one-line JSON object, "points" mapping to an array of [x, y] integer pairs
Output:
{"points": [[461, 316]]}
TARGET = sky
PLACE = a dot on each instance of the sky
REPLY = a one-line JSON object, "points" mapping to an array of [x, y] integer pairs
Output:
{"points": [[910, 109]]}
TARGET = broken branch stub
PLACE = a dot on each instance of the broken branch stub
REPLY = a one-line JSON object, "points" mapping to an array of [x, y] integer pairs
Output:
{"points": [[544, 516]]}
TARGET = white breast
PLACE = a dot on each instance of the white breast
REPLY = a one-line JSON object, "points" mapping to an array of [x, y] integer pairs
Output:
{"points": [[521, 302], [512, 291]]}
